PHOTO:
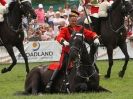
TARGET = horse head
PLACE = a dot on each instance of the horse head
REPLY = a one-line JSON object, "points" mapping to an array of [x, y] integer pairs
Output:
{"points": [[76, 43], [23, 6], [18, 9], [84, 70], [26, 8], [128, 8]]}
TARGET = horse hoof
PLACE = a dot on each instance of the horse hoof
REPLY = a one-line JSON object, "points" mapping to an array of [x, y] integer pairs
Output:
{"points": [[106, 76], [4, 70], [121, 74]]}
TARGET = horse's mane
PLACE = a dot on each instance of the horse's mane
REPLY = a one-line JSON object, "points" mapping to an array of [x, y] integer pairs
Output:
{"points": [[11, 6], [115, 4]]}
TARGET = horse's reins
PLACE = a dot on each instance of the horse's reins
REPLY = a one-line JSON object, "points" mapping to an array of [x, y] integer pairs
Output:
{"points": [[88, 76], [122, 26], [73, 47], [78, 61], [19, 28], [111, 26]]}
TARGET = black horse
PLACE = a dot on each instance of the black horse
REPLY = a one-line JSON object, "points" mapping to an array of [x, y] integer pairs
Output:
{"points": [[82, 77], [11, 33], [113, 33]]}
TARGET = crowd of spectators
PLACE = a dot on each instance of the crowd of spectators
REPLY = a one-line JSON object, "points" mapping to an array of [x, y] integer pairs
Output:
{"points": [[129, 27], [47, 24]]}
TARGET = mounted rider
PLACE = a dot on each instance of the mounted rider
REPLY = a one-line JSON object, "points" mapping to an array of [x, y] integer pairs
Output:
{"points": [[3, 9], [98, 11], [63, 38]]}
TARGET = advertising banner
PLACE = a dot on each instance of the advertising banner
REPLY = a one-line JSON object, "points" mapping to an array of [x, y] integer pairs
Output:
{"points": [[40, 51]]}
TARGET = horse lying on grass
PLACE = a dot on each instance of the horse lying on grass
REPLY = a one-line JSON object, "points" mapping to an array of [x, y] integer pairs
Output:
{"points": [[82, 75]]}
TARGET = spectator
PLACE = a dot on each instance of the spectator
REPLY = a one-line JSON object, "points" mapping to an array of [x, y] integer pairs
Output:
{"points": [[67, 9], [25, 26], [66, 19], [50, 16], [40, 14], [57, 21], [61, 10], [35, 25], [48, 34], [30, 31], [129, 27], [35, 37], [74, 8]]}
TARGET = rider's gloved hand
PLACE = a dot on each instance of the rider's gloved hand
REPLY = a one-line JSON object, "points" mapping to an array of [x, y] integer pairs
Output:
{"points": [[96, 41], [64, 43]]}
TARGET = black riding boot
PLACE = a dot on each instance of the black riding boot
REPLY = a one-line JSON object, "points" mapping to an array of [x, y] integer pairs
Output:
{"points": [[49, 84]]}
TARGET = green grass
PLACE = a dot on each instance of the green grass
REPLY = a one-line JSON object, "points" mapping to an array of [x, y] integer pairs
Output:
{"points": [[12, 82]]}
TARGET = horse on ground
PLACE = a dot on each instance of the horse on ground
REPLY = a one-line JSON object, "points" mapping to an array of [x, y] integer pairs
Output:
{"points": [[11, 33], [113, 33], [80, 74]]}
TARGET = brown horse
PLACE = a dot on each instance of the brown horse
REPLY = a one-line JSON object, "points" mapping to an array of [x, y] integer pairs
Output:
{"points": [[82, 77], [11, 33]]}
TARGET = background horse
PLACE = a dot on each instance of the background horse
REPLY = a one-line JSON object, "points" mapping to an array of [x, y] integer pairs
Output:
{"points": [[81, 74], [113, 33], [11, 33]]}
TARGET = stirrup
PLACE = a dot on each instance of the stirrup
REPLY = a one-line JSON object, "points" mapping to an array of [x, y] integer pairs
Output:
{"points": [[48, 86], [68, 87]]}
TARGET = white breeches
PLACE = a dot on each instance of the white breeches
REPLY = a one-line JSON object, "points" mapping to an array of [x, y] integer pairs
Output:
{"points": [[102, 14]]}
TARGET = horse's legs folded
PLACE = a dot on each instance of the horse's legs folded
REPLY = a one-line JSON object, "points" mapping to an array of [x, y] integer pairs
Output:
{"points": [[48, 86]]}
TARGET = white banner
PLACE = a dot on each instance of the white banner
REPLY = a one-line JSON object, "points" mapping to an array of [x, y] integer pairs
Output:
{"points": [[41, 51], [38, 51], [117, 53]]}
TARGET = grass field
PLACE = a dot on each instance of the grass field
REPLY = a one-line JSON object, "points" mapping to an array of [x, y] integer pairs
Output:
{"points": [[12, 82]]}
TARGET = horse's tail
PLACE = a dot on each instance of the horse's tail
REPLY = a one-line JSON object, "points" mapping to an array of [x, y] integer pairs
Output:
{"points": [[101, 89]]}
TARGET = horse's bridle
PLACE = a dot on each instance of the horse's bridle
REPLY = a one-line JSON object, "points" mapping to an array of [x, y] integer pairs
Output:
{"points": [[125, 14], [87, 77], [19, 28], [77, 62]]}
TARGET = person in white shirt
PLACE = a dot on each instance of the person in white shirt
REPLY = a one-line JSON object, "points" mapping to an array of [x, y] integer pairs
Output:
{"points": [[103, 7], [65, 17], [50, 15], [67, 9], [57, 21]]}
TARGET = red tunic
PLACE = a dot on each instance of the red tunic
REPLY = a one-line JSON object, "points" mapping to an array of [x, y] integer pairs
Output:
{"points": [[64, 34], [3, 2], [94, 9]]}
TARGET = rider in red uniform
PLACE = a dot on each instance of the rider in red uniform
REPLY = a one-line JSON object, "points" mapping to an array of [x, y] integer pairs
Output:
{"points": [[63, 38]]}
